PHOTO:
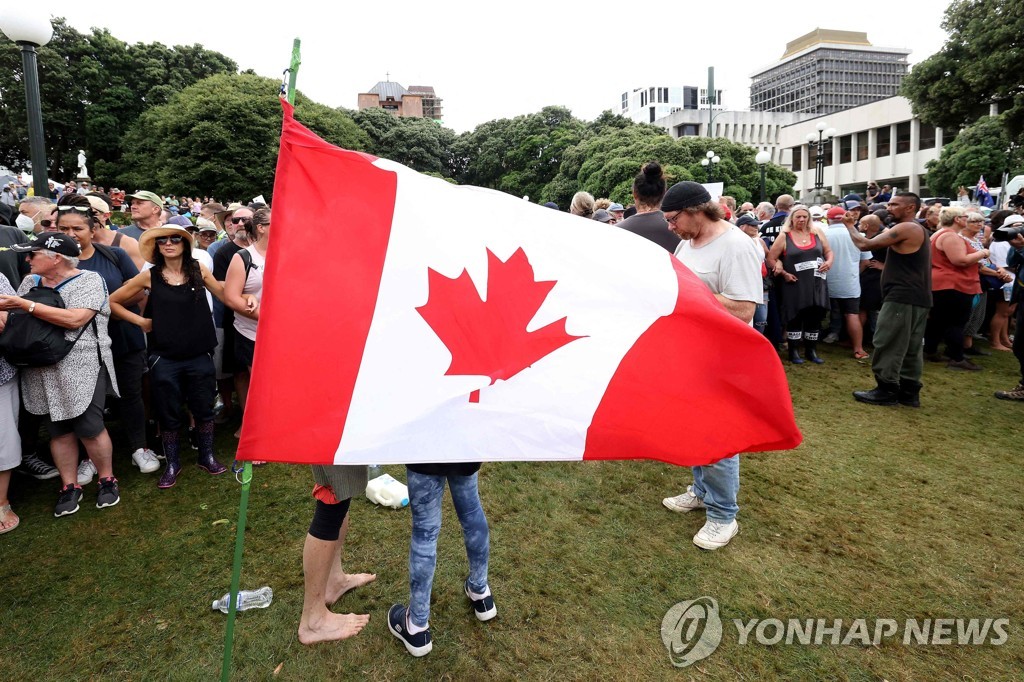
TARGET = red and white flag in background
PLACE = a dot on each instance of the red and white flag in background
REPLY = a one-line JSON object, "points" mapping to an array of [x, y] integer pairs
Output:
{"points": [[405, 319]]}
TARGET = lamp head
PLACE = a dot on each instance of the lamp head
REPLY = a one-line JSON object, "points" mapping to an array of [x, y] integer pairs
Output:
{"points": [[22, 26]]}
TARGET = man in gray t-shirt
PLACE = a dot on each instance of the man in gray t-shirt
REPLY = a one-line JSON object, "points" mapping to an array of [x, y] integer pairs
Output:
{"points": [[725, 260]]}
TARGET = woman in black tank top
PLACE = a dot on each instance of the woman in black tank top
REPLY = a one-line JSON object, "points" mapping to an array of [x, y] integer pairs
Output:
{"points": [[181, 338]]}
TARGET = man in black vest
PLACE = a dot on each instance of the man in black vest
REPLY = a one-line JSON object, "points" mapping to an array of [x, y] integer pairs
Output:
{"points": [[906, 299]]}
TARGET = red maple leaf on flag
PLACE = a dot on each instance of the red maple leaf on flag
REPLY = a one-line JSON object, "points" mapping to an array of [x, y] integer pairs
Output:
{"points": [[489, 337]]}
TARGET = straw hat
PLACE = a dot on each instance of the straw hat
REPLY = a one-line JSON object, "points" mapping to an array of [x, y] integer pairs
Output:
{"points": [[147, 242]]}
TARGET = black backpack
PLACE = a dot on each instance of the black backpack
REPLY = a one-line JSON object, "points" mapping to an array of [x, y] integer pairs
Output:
{"points": [[28, 341]]}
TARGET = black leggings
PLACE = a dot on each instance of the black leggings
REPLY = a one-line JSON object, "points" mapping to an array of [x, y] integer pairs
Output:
{"points": [[1018, 339], [951, 310], [807, 324], [327, 520]]}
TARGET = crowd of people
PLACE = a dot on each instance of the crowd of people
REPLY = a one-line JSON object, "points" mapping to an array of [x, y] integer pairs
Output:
{"points": [[161, 315]]}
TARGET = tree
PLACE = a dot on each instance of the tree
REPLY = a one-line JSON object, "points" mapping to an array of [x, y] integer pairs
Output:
{"points": [[978, 65], [519, 155], [420, 143], [220, 137], [92, 88], [981, 149], [606, 163]]}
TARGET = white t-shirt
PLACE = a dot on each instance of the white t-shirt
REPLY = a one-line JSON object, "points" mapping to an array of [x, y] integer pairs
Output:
{"points": [[729, 265]]}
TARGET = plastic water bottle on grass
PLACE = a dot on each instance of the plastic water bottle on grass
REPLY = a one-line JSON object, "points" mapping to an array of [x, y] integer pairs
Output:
{"points": [[247, 599], [373, 471], [387, 491]]}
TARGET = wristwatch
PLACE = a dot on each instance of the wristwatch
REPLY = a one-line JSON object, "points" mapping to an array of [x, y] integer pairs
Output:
{"points": [[31, 307]]}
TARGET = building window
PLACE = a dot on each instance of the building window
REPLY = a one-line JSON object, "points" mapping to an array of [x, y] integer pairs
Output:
{"points": [[862, 146], [797, 163], [927, 140], [650, 96], [688, 130], [846, 149], [625, 101], [652, 114], [689, 98], [882, 137], [903, 137]]}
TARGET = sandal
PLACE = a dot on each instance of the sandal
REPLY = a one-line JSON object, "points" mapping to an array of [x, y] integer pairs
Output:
{"points": [[8, 519], [861, 355]]}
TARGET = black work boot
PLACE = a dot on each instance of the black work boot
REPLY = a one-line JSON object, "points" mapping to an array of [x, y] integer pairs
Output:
{"points": [[909, 393], [884, 394]]}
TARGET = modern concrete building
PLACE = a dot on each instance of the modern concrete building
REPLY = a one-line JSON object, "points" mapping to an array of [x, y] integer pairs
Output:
{"points": [[759, 129], [415, 102], [880, 141], [827, 71], [647, 105]]}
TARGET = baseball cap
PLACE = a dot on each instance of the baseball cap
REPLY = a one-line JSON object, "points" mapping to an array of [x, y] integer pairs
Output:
{"points": [[747, 219], [836, 212], [51, 241], [615, 207], [816, 212], [148, 196]]}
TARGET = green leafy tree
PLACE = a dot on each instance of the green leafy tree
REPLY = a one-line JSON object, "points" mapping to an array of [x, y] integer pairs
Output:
{"points": [[519, 155], [92, 88], [979, 64], [420, 143], [984, 148], [220, 136], [605, 164]]}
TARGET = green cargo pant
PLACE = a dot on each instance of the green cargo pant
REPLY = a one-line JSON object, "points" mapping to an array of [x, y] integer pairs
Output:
{"points": [[899, 333]]}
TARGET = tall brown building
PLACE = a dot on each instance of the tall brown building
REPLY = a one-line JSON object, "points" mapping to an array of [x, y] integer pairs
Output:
{"points": [[418, 101]]}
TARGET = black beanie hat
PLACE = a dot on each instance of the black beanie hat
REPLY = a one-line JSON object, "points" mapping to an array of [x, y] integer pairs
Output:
{"points": [[685, 194]]}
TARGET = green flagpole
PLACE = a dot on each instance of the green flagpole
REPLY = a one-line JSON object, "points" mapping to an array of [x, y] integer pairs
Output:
{"points": [[243, 504]]}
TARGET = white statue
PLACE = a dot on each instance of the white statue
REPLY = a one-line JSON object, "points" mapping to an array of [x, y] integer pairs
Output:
{"points": [[82, 172]]}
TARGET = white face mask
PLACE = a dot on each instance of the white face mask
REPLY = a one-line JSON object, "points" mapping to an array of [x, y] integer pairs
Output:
{"points": [[25, 224]]}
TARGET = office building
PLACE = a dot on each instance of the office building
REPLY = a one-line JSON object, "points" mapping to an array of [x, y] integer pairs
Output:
{"points": [[827, 71]]}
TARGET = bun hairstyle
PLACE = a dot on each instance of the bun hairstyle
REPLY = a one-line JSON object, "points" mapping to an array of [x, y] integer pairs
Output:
{"points": [[260, 217], [78, 201], [649, 184]]}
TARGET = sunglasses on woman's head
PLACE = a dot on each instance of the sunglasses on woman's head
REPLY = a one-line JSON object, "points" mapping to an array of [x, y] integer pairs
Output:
{"points": [[175, 239], [80, 209]]}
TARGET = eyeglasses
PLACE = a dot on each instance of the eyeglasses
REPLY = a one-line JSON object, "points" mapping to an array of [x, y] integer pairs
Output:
{"points": [[80, 209], [46, 223], [673, 219], [239, 221], [175, 239], [207, 234]]}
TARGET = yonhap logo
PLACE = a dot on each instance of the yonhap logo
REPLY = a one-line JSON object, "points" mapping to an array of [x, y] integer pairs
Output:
{"points": [[691, 631]]}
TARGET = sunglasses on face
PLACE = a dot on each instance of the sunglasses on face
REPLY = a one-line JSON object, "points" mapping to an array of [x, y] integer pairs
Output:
{"points": [[47, 223], [239, 221], [176, 239]]}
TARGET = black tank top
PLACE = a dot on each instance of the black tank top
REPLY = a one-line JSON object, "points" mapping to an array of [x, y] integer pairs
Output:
{"points": [[907, 277], [182, 322]]}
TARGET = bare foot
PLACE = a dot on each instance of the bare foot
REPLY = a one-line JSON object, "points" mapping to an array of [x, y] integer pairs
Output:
{"points": [[333, 626], [1003, 348], [348, 581]]}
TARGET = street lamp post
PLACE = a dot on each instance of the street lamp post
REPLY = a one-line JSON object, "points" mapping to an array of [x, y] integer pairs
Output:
{"points": [[824, 135], [709, 164], [762, 160], [29, 32]]}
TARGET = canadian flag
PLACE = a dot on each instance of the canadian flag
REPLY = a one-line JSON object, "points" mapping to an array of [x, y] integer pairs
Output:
{"points": [[405, 319]]}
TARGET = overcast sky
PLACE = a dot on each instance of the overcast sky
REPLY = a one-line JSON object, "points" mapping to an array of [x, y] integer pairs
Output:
{"points": [[493, 60]]}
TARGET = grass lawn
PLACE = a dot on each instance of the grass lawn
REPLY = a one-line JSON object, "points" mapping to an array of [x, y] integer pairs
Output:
{"points": [[881, 513]]}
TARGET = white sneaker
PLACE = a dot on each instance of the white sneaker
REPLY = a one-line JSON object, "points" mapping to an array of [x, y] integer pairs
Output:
{"points": [[685, 502], [86, 470], [146, 460], [716, 534]]}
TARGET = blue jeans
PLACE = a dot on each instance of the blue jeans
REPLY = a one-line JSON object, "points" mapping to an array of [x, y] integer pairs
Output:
{"points": [[718, 485], [761, 317], [425, 494]]}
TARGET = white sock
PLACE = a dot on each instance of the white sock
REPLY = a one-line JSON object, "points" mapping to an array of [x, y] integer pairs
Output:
{"points": [[414, 629], [486, 593]]}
